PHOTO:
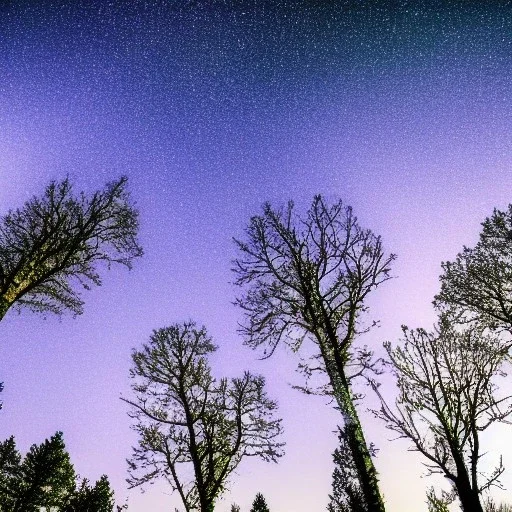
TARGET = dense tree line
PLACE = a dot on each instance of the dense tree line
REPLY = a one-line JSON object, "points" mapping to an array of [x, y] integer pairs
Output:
{"points": [[46, 478]]}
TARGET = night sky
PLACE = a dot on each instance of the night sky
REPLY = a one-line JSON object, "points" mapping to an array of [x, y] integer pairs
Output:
{"points": [[211, 108]]}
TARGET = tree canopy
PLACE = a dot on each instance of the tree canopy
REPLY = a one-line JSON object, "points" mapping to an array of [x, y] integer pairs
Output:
{"points": [[478, 283], [447, 395], [308, 278], [57, 241], [45, 477], [194, 430], [259, 504]]}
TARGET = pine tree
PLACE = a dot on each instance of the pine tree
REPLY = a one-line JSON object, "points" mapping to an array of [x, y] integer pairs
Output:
{"points": [[45, 478], [347, 495], [259, 504], [48, 477], [10, 473], [99, 498]]}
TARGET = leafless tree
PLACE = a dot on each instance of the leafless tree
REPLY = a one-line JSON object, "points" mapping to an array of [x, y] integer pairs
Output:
{"points": [[308, 278], [193, 430], [448, 395], [56, 241]]}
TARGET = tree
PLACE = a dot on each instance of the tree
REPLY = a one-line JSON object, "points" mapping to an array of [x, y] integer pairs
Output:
{"points": [[10, 474], [57, 241], [447, 395], [99, 498], [491, 506], [478, 284], [191, 424], [259, 504], [235, 507], [47, 477], [309, 278], [347, 495], [439, 504]]}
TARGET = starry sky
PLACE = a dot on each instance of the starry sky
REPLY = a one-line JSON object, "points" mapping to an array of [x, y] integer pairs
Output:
{"points": [[403, 110]]}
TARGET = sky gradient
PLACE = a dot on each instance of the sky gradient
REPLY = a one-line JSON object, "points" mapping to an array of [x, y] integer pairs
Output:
{"points": [[211, 108]]}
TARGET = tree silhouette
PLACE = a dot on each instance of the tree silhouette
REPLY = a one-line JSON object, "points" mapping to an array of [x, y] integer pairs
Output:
{"points": [[259, 504], [447, 396], [308, 278], [478, 284], [191, 424], [347, 495], [10, 474], [58, 241], [48, 477], [99, 498]]}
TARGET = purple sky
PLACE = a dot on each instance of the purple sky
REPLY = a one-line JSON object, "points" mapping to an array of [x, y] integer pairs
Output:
{"points": [[211, 108]]}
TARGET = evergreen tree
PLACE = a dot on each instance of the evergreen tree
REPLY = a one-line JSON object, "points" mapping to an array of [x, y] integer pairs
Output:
{"points": [[10, 473], [259, 504], [347, 495], [99, 498], [47, 477]]}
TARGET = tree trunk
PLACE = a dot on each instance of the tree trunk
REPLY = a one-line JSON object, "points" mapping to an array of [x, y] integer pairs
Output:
{"points": [[468, 496], [469, 499], [356, 440]]}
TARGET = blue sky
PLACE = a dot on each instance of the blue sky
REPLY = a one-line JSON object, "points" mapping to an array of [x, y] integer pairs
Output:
{"points": [[211, 108]]}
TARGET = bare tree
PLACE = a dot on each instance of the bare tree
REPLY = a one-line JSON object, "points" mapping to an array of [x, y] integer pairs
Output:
{"points": [[189, 423], [309, 278], [58, 240], [478, 284], [447, 395]]}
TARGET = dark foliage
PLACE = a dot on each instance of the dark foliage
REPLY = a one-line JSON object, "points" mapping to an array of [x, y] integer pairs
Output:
{"points": [[10, 474], [347, 495], [194, 430], [98, 498], [46, 478], [478, 284], [57, 241], [259, 504]]}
